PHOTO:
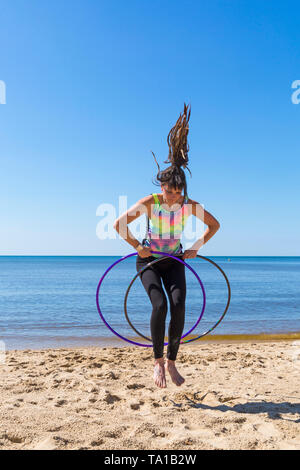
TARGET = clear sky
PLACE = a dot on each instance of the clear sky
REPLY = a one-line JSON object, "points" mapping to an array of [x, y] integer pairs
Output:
{"points": [[93, 86]]}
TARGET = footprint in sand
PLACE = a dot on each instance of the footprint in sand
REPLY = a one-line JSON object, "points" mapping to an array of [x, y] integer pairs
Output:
{"points": [[111, 375], [14, 438], [108, 397], [136, 405], [209, 398], [60, 403], [96, 443], [135, 386]]}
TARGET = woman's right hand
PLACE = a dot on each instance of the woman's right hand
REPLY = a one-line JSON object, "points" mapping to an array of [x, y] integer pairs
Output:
{"points": [[144, 251]]}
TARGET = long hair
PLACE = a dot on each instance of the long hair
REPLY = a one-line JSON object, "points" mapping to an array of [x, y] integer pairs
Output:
{"points": [[174, 175]]}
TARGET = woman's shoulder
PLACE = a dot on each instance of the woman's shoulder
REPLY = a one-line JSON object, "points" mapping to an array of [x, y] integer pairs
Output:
{"points": [[147, 201], [192, 202], [194, 207]]}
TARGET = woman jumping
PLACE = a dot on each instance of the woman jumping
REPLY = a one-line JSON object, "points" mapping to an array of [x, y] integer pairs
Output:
{"points": [[167, 214]]}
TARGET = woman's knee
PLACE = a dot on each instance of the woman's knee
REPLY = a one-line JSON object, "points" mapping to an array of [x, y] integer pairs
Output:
{"points": [[178, 302], [160, 307]]}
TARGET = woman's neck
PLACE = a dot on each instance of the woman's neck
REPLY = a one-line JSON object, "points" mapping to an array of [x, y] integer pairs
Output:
{"points": [[174, 205]]}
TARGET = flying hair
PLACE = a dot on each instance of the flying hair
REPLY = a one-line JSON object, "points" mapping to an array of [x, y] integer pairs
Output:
{"points": [[174, 175]]}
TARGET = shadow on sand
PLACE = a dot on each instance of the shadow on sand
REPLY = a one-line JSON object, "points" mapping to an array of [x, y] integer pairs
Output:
{"points": [[273, 410]]}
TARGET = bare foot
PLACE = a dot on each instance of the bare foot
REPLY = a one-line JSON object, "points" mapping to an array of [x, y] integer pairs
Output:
{"points": [[159, 373], [177, 379]]}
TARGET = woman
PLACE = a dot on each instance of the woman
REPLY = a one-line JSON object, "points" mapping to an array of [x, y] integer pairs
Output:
{"points": [[167, 215]]}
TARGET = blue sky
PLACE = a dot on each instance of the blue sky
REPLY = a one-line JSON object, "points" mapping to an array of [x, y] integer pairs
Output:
{"points": [[93, 86]]}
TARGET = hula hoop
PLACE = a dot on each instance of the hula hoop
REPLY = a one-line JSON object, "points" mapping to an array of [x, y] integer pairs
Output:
{"points": [[140, 272], [188, 340], [134, 254]]}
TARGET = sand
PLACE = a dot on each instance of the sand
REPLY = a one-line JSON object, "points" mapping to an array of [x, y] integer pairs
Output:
{"points": [[236, 396]]}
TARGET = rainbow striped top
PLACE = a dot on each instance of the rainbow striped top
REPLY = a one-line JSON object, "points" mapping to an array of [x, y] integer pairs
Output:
{"points": [[165, 228]]}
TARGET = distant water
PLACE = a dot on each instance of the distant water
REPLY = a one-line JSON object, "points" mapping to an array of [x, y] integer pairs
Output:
{"points": [[51, 301]]}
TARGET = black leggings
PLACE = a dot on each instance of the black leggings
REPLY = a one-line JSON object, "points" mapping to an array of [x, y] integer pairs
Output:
{"points": [[172, 273]]}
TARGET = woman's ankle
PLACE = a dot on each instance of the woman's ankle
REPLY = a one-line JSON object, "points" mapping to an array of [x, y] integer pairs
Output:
{"points": [[170, 362], [160, 361]]}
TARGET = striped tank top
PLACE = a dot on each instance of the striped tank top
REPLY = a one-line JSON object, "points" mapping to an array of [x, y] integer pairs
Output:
{"points": [[165, 228]]}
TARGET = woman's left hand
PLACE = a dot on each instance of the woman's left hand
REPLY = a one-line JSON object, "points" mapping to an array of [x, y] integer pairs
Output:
{"points": [[189, 254]]}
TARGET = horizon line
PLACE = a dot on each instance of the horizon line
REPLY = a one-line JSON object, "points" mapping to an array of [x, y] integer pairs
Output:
{"points": [[93, 256]]}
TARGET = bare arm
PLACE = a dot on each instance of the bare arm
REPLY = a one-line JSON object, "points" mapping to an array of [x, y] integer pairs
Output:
{"points": [[213, 226], [135, 211]]}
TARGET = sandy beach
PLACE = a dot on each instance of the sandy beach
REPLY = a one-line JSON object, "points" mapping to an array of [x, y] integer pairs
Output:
{"points": [[243, 395]]}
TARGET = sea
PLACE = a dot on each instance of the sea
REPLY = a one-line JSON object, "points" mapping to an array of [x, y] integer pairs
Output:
{"points": [[50, 301]]}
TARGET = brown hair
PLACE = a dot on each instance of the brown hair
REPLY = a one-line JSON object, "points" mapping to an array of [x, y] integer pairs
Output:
{"points": [[174, 175]]}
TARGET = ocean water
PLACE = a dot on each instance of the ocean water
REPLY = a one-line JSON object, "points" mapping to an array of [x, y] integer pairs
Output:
{"points": [[50, 301]]}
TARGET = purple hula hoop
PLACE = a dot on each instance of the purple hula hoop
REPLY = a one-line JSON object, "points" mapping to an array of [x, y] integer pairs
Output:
{"points": [[134, 254]]}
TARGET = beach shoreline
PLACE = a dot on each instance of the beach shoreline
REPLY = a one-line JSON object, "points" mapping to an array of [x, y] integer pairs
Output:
{"points": [[114, 342], [238, 395]]}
